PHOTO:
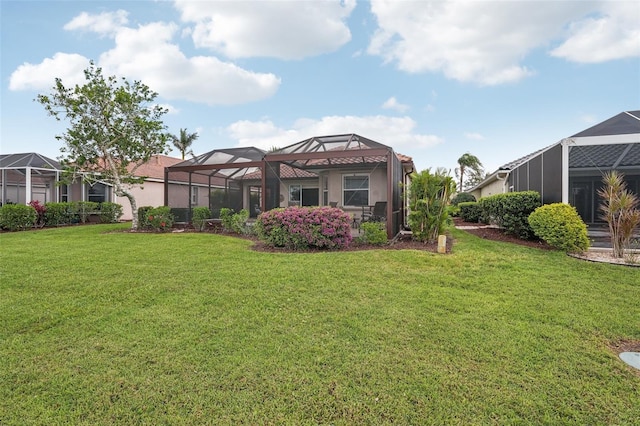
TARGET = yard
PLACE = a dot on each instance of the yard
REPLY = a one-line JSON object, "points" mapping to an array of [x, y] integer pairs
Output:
{"points": [[105, 327]]}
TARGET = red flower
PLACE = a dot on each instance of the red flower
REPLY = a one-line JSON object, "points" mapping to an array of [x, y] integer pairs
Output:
{"points": [[150, 217], [162, 224]]}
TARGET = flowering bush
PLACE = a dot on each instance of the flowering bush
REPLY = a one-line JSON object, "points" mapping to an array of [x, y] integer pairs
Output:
{"points": [[40, 210], [301, 228], [160, 218]]}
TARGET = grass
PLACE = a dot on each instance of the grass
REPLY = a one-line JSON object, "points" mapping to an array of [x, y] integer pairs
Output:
{"points": [[119, 328]]}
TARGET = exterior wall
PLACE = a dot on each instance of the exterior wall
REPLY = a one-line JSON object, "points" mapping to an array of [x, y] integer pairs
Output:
{"points": [[495, 187]]}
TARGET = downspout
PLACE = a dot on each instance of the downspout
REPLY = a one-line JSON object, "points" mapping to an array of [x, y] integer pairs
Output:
{"points": [[503, 178], [390, 230]]}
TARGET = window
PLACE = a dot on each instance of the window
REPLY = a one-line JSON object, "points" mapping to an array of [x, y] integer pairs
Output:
{"points": [[98, 193], [194, 195], [295, 195], [64, 193], [355, 190], [325, 190]]}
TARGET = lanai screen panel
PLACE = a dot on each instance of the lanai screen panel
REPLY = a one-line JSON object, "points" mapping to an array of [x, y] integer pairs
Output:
{"points": [[535, 174], [552, 175], [221, 170], [396, 189]]}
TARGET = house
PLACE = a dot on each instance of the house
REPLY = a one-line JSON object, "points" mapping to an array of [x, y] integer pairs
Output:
{"points": [[348, 171], [31, 176], [571, 170]]}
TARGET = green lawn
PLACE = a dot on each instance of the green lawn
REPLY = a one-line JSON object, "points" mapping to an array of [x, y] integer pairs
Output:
{"points": [[119, 328]]}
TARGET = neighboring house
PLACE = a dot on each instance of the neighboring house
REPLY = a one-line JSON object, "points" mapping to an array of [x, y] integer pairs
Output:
{"points": [[31, 176], [571, 170], [348, 171]]}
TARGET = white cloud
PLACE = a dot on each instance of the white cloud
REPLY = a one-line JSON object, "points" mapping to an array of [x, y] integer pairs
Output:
{"points": [[67, 66], [393, 104], [279, 29], [170, 109], [613, 34], [105, 23], [474, 136], [147, 53], [398, 132], [469, 41]]}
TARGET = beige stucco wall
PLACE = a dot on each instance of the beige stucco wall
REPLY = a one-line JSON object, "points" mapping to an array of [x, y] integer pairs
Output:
{"points": [[495, 187]]}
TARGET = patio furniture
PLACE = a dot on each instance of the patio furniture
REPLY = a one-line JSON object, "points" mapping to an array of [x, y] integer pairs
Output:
{"points": [[376, 214]]}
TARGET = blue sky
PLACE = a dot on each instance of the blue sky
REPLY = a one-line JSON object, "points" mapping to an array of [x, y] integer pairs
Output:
{"points": [[498, 79]]}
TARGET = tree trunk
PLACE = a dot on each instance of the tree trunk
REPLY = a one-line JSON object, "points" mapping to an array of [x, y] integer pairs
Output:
{"points": [[121, 192]]}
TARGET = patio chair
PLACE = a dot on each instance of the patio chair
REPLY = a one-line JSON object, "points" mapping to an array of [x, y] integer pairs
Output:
{"points": [[378, 214]]}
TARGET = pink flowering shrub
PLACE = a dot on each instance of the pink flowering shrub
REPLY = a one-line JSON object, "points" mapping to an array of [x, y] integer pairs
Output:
{"points": [[302, 228], [40, 211]]}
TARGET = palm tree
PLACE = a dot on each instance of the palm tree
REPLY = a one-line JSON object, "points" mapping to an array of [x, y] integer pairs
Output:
{"points": [[468, 161], [184, 141]]}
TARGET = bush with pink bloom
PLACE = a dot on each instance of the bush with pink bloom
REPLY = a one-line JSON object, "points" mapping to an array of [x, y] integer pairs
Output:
{"points": [[302, 228]]}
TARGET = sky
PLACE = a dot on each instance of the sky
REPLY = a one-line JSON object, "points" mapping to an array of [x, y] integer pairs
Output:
{"points": [[432, 79]]}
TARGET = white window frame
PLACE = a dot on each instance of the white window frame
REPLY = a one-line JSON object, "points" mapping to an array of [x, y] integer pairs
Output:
{"points": [[290, 199], [194, 195], [367, 189]]}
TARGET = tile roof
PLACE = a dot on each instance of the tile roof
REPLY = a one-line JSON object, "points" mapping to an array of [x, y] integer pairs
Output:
{"points": [[154, 168]]}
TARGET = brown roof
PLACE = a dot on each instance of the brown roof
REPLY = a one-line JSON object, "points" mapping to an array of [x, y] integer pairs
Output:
{"points": [[154, 168]]}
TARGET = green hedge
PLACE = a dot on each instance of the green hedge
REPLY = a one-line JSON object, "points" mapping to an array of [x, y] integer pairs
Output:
{"points": [[560, 226], [59, 214], [17, 217], [511, 211], [373, 233], [470, 211], [200, 216]]}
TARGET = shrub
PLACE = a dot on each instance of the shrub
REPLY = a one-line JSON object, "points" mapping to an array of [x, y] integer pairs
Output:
{"points": [[17, 217], [200, 216], [226, 218], [462, 197], [560, 226], [40, 210], [302, 228], [84, 209], [428, 199], [619, 209], [511, 211], [470, 211], [373, 233], [110, 212], [234, 222], [160, 218], [58, 214], [143, 217]]}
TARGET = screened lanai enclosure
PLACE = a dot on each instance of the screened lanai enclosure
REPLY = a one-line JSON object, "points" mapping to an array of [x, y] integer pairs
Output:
{"points": [[571, 171], [27, 177], [347, 171]]}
